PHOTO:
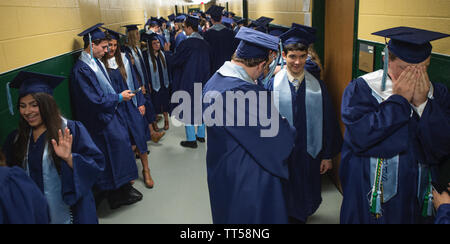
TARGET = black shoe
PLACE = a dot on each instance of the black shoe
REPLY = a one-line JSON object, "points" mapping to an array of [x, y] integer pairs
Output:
{"points": [[190, 144], [202, 140], [130, 194], [115, 199]]}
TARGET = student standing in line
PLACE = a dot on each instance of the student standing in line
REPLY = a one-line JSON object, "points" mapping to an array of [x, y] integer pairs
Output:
{"points": [[95, 105], [245, 169], [220, 38], [305, 103], [133, 49], [21, 201], [156, 62], [58, 154], [397, 131], [123, 78], [190, 65]]}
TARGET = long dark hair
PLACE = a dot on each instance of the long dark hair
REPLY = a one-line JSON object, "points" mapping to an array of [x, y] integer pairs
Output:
{"points": [[51, 117], [152, 54], [118, 56]]}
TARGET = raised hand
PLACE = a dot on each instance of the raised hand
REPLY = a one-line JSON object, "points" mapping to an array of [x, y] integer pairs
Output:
{"points": [[405, 85], [63, 148], [422, 87]]}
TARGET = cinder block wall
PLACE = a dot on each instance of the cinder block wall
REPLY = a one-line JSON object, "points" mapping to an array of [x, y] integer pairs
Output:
{"points": [[375, 15], [36, 30]]}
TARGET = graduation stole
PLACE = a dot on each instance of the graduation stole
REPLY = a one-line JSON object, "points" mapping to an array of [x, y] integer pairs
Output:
{"points": [[130, 82], [196, 35], [383, 172], [313, 107], [102, 76], [139, 65], [60, 212], [156, 82], [218, 27], [425, 193]]}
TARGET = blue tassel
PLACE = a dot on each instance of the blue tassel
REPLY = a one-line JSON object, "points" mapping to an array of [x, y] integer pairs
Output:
{"points": [[378, 204], [8, 97], [385, 68], [90, 46], [430, 205]]}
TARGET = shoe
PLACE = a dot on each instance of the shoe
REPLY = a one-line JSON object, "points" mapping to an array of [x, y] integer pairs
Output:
{"points": [[190, 144], [130, 195], [202, 140], [156, 137], [115, 199], [148, 181]]}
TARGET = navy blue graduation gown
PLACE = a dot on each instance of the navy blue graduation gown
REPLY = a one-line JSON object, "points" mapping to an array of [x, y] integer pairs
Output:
{"points": [[223, 46], [443, 214], [98, 112], [304, 186], [245, 171], [384, 131], [160, 99], [180, 38], [190, 64], [21, 201], [136, 124], [88, 163], [150, 114]]}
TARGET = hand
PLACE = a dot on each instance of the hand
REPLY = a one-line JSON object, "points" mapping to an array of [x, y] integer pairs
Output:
{"points": [[144, 91], [167, 47], [406, 83], [142, 110], [422, 87], [63, 149], [127, 95], [325, 165], [439, 199]]}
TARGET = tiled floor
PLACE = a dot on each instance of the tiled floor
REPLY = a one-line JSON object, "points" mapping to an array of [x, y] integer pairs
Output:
{"points": [[180, 195]]}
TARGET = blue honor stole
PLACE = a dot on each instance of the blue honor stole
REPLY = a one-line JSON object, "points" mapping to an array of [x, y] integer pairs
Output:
{"points": [[156, 82], [60, 212], [313, 105], [130, 82], [102, 76]]}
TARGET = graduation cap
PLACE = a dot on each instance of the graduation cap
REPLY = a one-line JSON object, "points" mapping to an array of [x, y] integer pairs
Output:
{"points": [[192, 20], [131, 27], [255, 44], [162, 20], [113, 34], [153, 21], [30, 83], [297, 35], [309, 29], [91, 34], [227, 22], [171, 17], [262, 24], [180, 18], [149, 37], [409, 44], [277, 31], [215, 12], [241, 21]]}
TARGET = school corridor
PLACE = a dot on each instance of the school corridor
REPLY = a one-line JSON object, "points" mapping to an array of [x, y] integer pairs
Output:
{"points": [[181, 196]]}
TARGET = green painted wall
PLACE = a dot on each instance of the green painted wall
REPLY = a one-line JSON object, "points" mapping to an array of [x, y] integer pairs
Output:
{"points": [[439, 70], [61, 65]]}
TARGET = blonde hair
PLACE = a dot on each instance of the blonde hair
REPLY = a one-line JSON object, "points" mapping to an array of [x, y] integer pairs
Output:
{"points": [[133, 39]]}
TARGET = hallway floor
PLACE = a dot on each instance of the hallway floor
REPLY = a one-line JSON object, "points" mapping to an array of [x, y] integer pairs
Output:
{"points": [[181, 196]]}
